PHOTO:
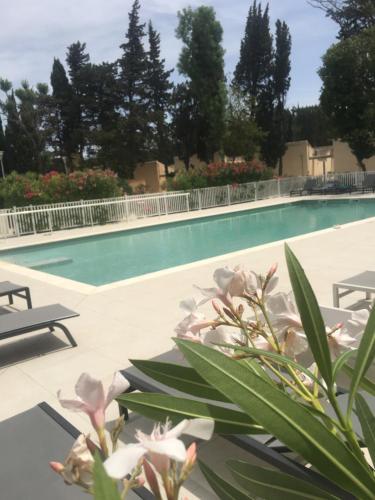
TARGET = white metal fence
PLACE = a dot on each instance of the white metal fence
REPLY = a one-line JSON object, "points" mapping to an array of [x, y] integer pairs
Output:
{"points": [[20, 221]]}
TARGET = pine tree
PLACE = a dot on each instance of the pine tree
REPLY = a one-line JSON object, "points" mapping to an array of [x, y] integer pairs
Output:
{"points": [[254, 69], [159, 98], [202, 62], [133, 91]]}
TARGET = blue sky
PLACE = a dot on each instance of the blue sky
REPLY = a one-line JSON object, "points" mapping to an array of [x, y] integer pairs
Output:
{"points": [[33, 32]]}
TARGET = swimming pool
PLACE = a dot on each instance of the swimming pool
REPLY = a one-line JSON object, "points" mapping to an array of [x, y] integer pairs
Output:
{"points": [[103, 259]]}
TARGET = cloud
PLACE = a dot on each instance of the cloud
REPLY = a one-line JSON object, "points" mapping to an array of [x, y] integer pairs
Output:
{"points": [[32, 33]]}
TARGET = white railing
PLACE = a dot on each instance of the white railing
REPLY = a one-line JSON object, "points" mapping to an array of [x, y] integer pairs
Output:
{"points": [[20, 221]]}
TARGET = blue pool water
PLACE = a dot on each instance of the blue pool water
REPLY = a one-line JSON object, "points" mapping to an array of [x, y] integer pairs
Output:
{"points": [[98, 260]]}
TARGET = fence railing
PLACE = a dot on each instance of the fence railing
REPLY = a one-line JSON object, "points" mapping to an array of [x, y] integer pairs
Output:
{"points": [[20, 221]]}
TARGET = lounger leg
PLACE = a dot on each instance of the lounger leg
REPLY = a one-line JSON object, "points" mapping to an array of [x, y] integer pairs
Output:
{"points": [[336, 297], [121, 409], [10, 297], [28, 298], [69, 336]]}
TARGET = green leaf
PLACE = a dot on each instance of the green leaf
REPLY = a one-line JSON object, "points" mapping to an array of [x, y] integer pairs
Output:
{"points": [[182, 378], [162, 406], [279, 359], [367, 421], [105, 488], [311, 316], [366, 384], [282, 417], [365, 356], [274, 485], [223, 489], [257, 369], [340, 362]]}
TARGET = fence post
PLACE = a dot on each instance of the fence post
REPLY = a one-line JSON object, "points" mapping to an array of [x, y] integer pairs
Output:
{"points": [[255, 191], [228, 192], [49, 220], [32, 218], [159, 209], [91, 218], [199, 199], [278, 188], [126, 209], [187, 202], [165, 204]]}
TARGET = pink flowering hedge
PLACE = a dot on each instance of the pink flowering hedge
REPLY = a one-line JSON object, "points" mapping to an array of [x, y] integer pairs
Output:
{"points": [[55, 187], [221, 174]]}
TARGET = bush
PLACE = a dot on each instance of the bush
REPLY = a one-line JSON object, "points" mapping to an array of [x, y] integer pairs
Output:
{"points": [[220, 174], [55, 187]]}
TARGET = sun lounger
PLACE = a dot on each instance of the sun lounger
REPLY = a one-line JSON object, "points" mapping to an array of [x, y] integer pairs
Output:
{"points": [[29, 441], [334, 187], [11, 290], [363, 282], [308, 187], [31, 320]]}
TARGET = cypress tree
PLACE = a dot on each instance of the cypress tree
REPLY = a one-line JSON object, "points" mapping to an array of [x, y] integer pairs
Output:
{"points": [[2, 136], [281, 84], [78, 62], [202, 62], [133, 92], [159, 98], [254, 69], [62, 95]]}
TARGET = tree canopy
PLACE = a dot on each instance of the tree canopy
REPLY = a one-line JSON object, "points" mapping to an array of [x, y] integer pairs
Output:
{"points": [[348, 94]]}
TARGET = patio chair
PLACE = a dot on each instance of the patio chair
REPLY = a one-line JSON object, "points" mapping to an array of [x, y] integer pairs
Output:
{"points": [[29, 441], [39, 318], [308, 187], [12, 290], [362, 282]]}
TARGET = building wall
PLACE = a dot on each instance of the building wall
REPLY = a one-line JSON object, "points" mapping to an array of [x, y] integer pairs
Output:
{"points": [[295, 159], [345, 161], [152, 174]]}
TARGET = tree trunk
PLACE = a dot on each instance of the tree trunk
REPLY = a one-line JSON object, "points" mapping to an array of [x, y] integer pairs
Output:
{"points": [[361, 164], [281, 166]]}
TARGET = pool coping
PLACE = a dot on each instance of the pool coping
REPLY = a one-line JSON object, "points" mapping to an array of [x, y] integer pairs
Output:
{"points": [[87, 289]]}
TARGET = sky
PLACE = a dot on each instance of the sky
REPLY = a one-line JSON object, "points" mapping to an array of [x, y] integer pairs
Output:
{"points": [[33, 32]]}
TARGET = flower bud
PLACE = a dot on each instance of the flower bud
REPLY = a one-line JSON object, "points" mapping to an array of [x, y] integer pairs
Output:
{"points": [[57, 467], [216, 306], [272, 271]]}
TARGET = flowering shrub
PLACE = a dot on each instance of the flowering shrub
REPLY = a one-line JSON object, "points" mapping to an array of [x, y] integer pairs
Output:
{"points": [[55, 187], [279, 370], [160, 454], [221, 174], [272, 356]]}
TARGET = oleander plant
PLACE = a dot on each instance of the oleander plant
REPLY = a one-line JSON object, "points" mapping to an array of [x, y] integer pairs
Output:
{"points": [[282, 370]]}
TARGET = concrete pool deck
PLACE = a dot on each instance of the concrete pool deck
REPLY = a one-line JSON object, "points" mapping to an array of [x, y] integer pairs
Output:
{"points": [[136, 319]]}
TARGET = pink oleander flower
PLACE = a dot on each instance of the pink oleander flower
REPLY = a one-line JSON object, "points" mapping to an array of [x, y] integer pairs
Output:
{"points": [[91, 398], [283, 311], [77, 468], [160, 447], [260, 286], [230, 283], [340, 341], [189, 328]]}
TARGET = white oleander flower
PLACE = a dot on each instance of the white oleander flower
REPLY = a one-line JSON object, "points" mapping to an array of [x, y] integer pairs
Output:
{"points": [[160, 447]]}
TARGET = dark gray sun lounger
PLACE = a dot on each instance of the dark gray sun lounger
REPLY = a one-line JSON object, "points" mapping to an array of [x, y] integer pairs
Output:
{"points": [[29, 441], [12, 289], [32, 320]]}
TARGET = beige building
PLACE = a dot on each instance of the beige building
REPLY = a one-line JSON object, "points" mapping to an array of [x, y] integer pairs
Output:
{"points": [[303, 159]]}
